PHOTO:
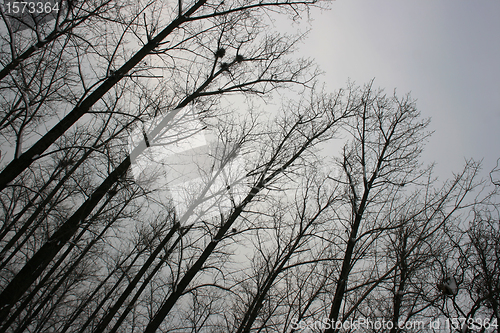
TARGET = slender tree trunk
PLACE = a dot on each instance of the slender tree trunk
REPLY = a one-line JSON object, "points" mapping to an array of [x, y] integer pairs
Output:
{"points": [[344, 274], [145, 283], [92, 296], [400, 287], [191, 273], [124, 295], [255, 306], [46, 316], [108, 295]]}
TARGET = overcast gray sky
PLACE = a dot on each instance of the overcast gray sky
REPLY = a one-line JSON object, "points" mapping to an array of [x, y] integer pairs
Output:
{"points": [[446, 53]]}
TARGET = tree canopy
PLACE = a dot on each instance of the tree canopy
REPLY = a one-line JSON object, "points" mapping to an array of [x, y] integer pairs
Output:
{"points": [[163, 169]]}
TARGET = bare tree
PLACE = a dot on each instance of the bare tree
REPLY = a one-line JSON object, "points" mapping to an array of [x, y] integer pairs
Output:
{"points": [[66, 17], [192, 18], [152, 203], [294, 245], [382, 158], [410, 252], [385, 250], [467, 290], [90, 171]]}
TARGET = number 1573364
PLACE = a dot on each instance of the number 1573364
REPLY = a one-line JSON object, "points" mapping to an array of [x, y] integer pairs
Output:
{"points": [[30, 7]]}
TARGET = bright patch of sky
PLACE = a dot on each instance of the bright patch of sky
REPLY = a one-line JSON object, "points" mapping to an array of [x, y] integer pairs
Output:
{"points": [[446, 53]]}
